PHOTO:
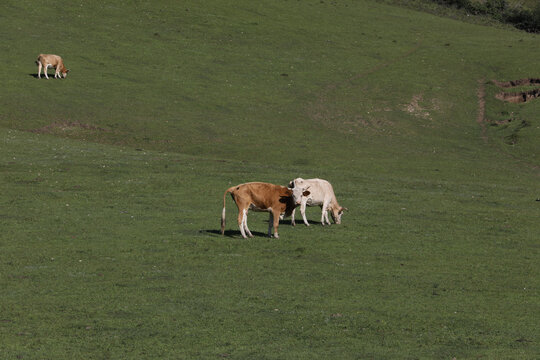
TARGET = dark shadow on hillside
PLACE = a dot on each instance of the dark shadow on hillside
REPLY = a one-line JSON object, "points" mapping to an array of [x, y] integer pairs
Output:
{"points": [[236, 233], [298, 222], [51, 76], [233, 233], [283, 222]]}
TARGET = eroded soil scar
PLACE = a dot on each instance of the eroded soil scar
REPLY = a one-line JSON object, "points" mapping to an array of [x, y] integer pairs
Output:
{"points": [[518, 97], [65, 126], [514, 83]]}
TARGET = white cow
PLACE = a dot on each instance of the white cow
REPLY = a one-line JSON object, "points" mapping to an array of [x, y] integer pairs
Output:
{"points": [[320, 194]]}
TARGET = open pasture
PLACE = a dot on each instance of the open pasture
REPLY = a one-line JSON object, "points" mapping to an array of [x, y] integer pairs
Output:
{"points": [[113, 181]]}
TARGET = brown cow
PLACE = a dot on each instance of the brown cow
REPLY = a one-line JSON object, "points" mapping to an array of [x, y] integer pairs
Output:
{"points": [[48, 60], [259, 196]]}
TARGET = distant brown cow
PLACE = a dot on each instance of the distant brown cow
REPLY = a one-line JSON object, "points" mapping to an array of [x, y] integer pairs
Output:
{"points": [[259, 196], [48, 60]]}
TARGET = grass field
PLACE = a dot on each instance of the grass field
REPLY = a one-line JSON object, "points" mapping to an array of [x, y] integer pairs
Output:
{"points": [[113, 182]]}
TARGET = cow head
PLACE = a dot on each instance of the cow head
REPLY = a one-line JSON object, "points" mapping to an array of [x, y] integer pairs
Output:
{"points": [[336, 213], [65, 72], [299, 189], [298, 192]]}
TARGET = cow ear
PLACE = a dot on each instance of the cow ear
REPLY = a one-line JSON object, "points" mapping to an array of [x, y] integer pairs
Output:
{"points": [[306, 193], [344, 209]]}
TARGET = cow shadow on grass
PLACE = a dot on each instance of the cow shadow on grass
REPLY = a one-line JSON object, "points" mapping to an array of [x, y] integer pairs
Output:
{"points": [[51, 76], [237, 233], [299, 223], [233, 233]]}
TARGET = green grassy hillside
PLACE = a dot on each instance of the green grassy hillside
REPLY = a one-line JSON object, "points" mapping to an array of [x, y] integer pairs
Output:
{"points": [[113, 182]]}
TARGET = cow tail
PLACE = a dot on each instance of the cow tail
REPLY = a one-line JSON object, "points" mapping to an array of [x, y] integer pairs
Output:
{"points": [[223, 211]]}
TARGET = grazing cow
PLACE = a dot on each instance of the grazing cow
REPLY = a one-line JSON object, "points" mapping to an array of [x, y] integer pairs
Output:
{"points": [[259, 196], [322, 194], [48, 60]]}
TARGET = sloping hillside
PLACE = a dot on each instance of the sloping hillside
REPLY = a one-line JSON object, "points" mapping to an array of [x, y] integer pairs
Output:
{"points": [[180, 77], [113, 182]]}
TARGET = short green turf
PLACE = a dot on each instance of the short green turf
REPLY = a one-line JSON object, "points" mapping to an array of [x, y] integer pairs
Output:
{"points": [[113, 179]]}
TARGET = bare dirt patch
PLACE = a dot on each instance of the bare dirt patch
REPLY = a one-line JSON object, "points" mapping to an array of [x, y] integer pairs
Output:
{"points": [[67, 127], [514, 83], [415, 109], [521, 96]]}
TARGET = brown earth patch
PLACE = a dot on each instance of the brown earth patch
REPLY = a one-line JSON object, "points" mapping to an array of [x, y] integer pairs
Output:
{"points": [[514, 83], [415, 109], [67, 126], [519, 97], [483, 121]]}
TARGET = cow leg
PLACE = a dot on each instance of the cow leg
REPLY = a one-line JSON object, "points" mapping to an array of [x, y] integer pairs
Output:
{"points": [[241, 215], [45, 71], [326, 211], [271, 223], [39, 69], [292, 218], [246, 226], [324, 214], [274, 220], [303, 211]]}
